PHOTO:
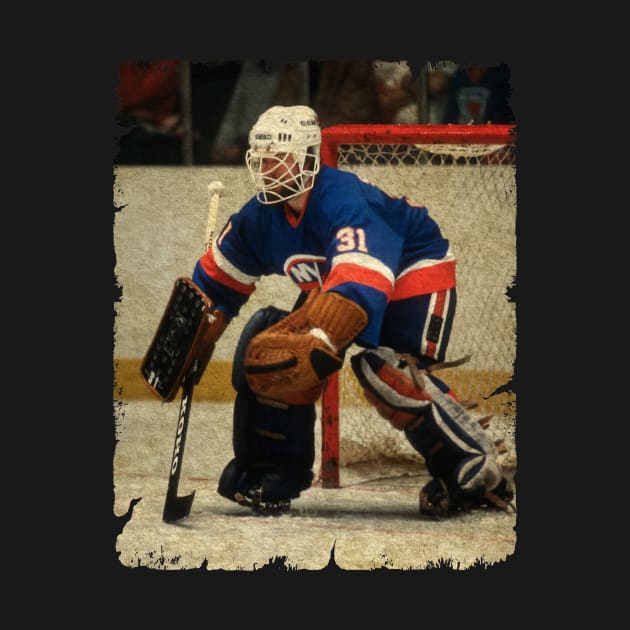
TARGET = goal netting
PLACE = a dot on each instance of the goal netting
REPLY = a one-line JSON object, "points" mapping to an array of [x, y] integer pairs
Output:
{"points": [[465, 176]]}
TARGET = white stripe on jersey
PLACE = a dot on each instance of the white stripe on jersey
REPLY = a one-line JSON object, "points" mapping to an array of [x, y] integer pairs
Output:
{"points": [[367, 261], [228, 268], [423, 264]]}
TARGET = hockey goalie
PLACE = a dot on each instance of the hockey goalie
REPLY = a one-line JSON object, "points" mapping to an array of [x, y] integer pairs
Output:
{"points": [[372, 270]]}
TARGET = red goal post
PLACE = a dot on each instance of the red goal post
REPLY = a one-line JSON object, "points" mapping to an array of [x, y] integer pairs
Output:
{"points": [[457, 142]]}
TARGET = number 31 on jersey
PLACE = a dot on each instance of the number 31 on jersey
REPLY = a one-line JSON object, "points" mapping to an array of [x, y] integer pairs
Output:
{"points": [[351, 239]]}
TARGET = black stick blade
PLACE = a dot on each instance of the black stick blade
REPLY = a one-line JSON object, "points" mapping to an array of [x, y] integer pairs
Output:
{"points": [[176, 508]]}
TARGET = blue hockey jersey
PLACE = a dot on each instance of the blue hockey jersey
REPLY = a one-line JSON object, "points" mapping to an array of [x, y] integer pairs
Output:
{"points": [[352, 238]]}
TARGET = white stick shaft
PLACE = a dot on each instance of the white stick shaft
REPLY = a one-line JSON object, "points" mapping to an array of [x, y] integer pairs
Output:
{"points": [[215, 189]]}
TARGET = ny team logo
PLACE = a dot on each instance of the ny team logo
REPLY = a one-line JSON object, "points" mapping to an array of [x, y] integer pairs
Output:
{"points": [[306, 271]]}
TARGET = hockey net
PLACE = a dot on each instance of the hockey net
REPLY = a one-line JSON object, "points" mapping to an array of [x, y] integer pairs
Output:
{"points": [[465, 176]]}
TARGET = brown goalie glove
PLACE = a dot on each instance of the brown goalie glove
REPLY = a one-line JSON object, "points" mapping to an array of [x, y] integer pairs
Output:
{"points": [[297, 354], [187, 333]]}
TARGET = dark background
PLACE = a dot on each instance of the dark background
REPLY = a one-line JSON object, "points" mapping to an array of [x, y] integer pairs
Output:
{"points": [[66, 561]]}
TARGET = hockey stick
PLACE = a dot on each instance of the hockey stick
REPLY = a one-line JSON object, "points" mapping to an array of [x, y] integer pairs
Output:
{"points": [[215, 189], [178, 507]]}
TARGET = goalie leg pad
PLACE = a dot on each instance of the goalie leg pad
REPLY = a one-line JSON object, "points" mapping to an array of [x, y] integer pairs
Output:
{"points": [[455, 448], [271, 435], [274, 452], [389, 385]]}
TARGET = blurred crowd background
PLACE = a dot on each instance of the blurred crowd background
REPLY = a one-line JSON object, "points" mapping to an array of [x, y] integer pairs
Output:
{"points": [[173, 112]]}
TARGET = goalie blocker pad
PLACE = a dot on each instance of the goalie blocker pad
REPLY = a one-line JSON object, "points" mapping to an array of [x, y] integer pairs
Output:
{"points": [[186, 333]]}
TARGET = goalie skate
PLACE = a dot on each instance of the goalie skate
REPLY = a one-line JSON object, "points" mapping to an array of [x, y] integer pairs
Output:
{"points": [[436, 501], [263, 508]]}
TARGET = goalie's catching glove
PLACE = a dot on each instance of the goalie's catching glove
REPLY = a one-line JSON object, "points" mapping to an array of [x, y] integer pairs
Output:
{"points": [[298, 353]]}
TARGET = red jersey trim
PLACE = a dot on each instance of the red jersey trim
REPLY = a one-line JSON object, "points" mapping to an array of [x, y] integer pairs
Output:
{"points": [[350, 272], [427, 280], [209, 265]]}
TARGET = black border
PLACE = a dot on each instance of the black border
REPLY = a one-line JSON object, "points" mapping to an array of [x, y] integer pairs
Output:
{"points": [[87, 143]]}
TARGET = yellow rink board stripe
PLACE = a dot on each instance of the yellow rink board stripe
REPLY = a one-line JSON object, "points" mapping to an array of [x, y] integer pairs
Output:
{"points": [[216, 385]]}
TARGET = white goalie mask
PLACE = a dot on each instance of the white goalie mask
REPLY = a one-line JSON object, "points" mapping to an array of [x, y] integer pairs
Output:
{"points": [[283, 157]]}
